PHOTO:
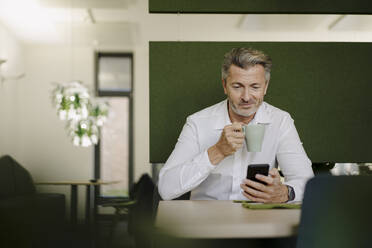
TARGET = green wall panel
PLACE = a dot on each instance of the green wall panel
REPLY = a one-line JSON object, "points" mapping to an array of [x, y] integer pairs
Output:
{"points": [[262, 7], [326, 88]]}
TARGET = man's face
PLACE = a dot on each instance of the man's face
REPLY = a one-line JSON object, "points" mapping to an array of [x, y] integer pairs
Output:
{"points": [[245, 89]]}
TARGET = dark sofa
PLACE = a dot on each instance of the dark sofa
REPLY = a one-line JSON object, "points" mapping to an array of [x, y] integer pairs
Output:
{"points": [[27, 218]]}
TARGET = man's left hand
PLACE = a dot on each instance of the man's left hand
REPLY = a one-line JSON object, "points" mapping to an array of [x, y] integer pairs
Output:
{"points": [[274, 191]]}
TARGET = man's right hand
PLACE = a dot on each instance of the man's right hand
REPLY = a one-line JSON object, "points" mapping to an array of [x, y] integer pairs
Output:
{"points": [[231, 140]]}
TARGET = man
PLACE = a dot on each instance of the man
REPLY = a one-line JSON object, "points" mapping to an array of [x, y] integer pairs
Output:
{"points": [[210, 158]]}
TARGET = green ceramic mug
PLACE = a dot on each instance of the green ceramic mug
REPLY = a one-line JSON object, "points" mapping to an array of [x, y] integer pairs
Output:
{"points": [[254, 135]]}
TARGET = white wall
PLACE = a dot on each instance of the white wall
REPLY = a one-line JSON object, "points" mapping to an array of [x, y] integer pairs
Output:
{"points": [[11, 50], [141, 112], [44, 144]]}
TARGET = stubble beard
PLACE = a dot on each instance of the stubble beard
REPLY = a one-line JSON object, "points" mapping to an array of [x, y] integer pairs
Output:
{"points": [[238, 112]]}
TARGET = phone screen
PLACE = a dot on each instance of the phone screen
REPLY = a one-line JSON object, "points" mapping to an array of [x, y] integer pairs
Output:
{"points": [[254, 169]]}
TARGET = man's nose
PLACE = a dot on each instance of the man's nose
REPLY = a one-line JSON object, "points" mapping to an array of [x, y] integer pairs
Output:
{"points": [[246, 96]]}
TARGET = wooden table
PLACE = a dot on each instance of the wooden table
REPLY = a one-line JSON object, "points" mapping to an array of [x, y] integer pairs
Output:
{"points": [[224, 219], [74, 195]]}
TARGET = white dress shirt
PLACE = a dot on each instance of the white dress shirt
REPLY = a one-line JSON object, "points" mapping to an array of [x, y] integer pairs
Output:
{"points": [[189, 169]]}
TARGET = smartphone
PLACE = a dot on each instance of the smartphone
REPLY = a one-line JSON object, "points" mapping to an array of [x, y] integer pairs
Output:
{"points": [[254, 169]]}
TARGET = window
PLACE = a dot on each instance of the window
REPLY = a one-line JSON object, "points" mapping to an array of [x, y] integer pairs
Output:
{"points": [[114, 73], [114, 152]]}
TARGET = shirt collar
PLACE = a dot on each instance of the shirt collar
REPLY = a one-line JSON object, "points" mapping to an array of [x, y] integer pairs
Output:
{"points": [[261, 117]]}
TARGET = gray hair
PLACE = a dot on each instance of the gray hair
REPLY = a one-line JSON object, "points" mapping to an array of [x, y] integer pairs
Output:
{"points": [[244, 58]]}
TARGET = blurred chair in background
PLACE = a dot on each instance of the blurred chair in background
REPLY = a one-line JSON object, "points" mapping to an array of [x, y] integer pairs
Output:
{"points": [[138, 209], [27, 218], [320, 168], [336, 212]]}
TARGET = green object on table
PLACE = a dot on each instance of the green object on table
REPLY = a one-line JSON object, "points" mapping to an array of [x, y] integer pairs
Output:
{"points": [[271, 206], [242, 201]]}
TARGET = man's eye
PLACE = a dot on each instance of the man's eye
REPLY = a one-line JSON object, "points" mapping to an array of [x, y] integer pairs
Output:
{"points": [[236, 86]]}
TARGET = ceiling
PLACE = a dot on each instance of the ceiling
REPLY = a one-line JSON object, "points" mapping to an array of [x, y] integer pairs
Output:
{"points": [[70, 21], [127, 22]]}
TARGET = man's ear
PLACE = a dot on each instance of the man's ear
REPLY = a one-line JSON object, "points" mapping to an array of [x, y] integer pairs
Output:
{"points": [[224, 86], [266, 86]]}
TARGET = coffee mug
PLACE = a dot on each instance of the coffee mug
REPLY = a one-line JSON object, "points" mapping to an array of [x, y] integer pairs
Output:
{"points": [[254, 136]]}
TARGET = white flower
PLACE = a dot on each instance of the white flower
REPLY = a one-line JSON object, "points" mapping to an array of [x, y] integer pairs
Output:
{"points": [[59, 97], [94, 139], [85, 141], [84, 112], [99, 122], [62, 114], [84, 115], [94, 128], [71, 114], [76, 141]]}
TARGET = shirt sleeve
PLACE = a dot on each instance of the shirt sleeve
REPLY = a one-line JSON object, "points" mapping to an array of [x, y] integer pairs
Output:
{"points": [[292, 159], [186, 167]]}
